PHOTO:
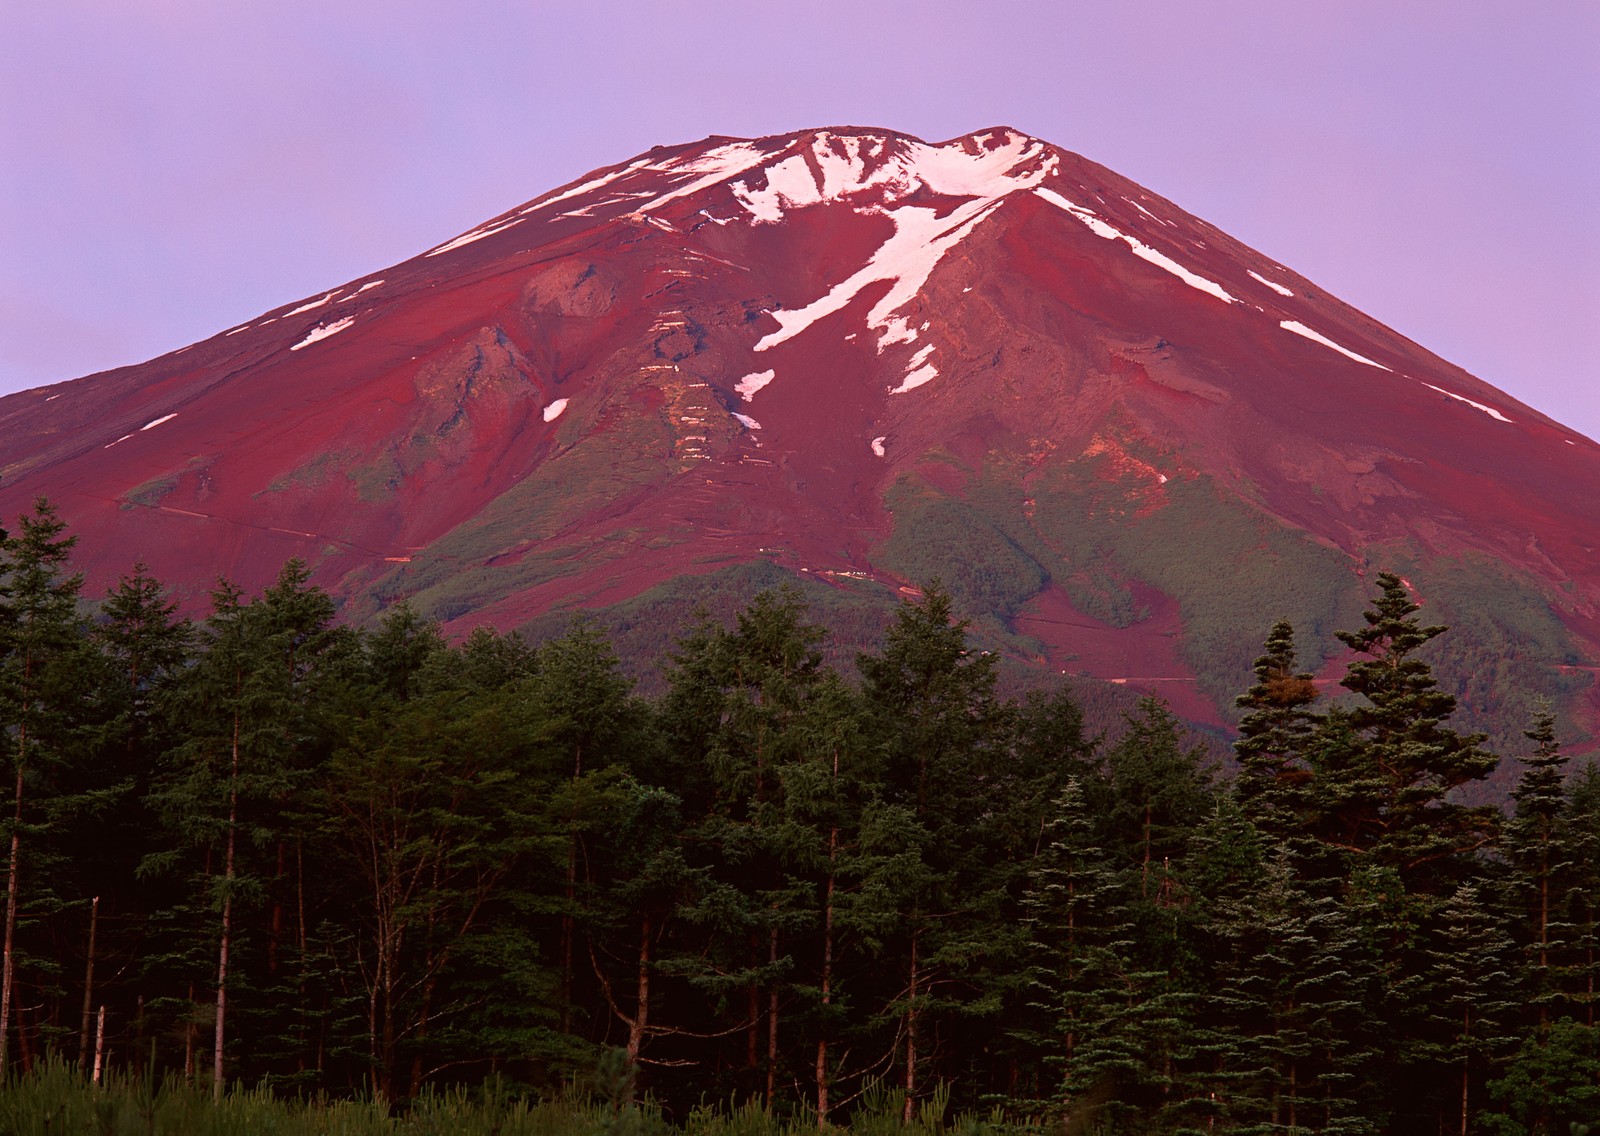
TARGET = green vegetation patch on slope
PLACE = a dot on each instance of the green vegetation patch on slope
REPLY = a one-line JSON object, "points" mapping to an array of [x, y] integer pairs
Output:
{"points": [[1505, 650], [646, 628], [944, 537], [574, 483], [1232, 571]]}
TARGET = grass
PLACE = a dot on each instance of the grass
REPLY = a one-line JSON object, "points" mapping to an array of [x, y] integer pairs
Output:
{"points": [[56, 1098]]}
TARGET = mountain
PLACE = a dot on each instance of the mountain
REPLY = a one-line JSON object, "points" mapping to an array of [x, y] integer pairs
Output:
{"points": [[1126, 441]]}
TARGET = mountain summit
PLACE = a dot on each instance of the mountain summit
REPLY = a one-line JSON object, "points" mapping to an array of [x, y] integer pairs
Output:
{"points": [[1126, 441]]}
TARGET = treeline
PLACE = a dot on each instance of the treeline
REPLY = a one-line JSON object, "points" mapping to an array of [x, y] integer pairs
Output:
{"points": [[266, 848]]}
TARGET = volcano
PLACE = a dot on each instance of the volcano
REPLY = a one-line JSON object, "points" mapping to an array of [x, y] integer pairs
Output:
{"points": [[1124, 440]]}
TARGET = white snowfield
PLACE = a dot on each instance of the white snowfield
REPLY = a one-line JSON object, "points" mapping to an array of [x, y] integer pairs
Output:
{"points": [[1101, 228], [553, 411], [1317, 337], [1273, 284], [921, 235], [322, 332], [306, 307], [747, 387], [159, 421], [1489, 410]]}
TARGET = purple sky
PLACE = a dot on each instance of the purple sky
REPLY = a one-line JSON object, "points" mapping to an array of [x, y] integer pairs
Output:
{"points": [[171, 168]]}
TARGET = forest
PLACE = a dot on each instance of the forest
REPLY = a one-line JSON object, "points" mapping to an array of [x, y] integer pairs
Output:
{"points": [[263, 851]]}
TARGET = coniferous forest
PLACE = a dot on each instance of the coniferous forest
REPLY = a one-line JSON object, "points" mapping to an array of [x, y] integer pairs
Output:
{"points": [[263, 849]]}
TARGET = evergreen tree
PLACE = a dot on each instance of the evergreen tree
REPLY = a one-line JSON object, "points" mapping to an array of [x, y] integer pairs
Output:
{"points": [[46, 668], [1160, 790], [1475, 1001], [940, 730], [1539, 865], [1580, 905], [1274, 739], [249, 709], [1409, 757], [1072, 888]]}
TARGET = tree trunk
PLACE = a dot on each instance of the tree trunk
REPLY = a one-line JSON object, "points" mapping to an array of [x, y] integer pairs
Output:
{"points": [[911, 1036], [752, 1033], [827, 983], [227, 923], [88, 989], [8, 967], [772, 1021], [641, 1015], [189, 1038], [100, 1046]]}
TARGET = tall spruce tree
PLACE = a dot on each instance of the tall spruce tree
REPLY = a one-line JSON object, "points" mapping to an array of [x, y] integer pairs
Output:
{"points": [[1539, 864], [249, 709], [46, 667], [1274, 739], [1407, 755], [1073, 887], [937, 722]]}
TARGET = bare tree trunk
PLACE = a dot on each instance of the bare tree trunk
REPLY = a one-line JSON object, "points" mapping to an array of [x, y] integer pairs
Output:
{"points": [[100, 1046], [911, 1036], [227, 924], [772, 1021], [827, 984], [189, 1038], [276, 924], [752, 1037], [88, 989], [8, 967], [641, 1015]]}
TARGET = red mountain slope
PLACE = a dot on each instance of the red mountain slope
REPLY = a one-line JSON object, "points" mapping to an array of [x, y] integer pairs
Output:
{"points": [[853, 353]]}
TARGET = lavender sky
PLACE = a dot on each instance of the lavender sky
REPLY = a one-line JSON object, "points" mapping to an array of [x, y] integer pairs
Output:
{"points": [[171, 168]]}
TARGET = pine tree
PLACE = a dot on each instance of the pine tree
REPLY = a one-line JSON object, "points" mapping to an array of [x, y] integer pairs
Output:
{"points": [[250, 710], [1539, 864], [1274, 740], [1160, 791], [940, 728], [1580, 905], [1409, 756], [46, 666], [1474, 1003], [1072, 886]]}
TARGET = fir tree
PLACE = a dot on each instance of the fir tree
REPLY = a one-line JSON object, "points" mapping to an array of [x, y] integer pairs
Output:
{"points": [[1539, 864], [46, 667], [1407, 753], [1274, 739]]}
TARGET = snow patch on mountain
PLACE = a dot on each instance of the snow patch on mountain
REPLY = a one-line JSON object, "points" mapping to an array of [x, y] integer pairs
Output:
{"points": [[159, 421], [836, 166], [1489, 410], [1317, 337], [553, 411], [474, 235], [716, 165], [314, 303], [747, 387], [877, 445], [323, 331], [1102, 228], [918, 371], [747, 422], [1273, 284], [920, 240], [585, 187]]}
